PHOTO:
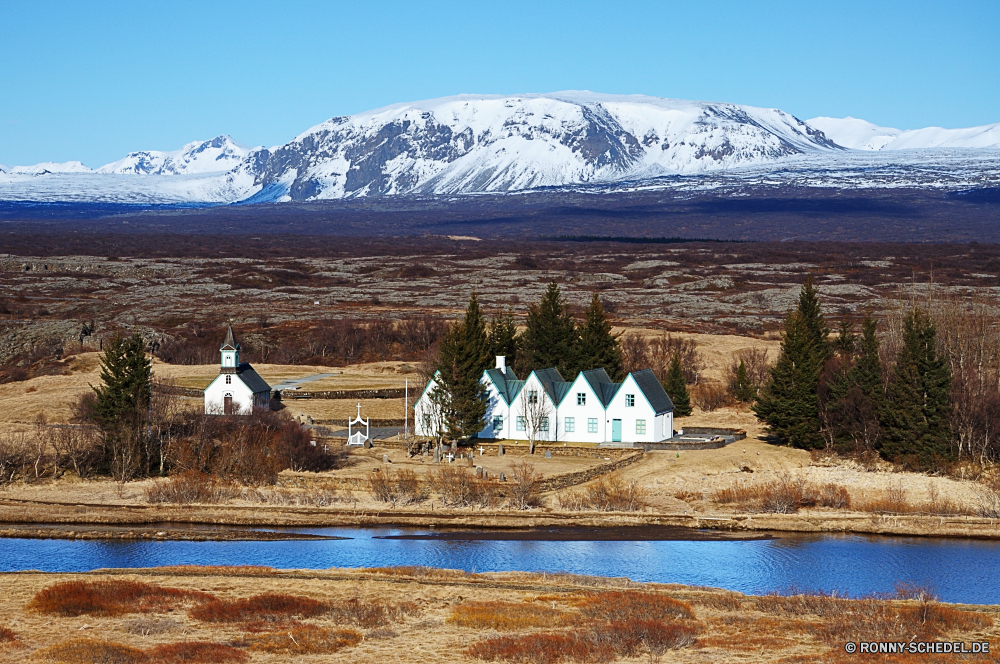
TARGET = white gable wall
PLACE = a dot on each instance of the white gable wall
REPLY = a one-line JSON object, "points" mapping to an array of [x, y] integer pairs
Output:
{"points": [[657, 427], [592, 409], [215, 393], [517, 410], [638, 413], [423, 419]]}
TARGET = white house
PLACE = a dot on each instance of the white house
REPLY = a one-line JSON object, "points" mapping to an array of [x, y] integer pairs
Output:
{"points": [[590, 409], [238, 389]]}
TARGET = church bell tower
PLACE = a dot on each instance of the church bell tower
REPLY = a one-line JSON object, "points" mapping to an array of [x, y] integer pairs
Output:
{"points": [[230, 350]]}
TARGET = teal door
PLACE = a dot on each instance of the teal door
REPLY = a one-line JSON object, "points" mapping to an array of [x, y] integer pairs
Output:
{"points": [[616, 431]]}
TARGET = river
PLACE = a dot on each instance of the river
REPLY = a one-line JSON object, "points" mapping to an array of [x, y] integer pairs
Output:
{"points": [[959, 570]]}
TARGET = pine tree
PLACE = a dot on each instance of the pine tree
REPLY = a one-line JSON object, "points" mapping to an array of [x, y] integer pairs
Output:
{"points": [[503, 336], [915, 422], [743, 389], [550, 339], [598, 347], [816, 330], [676, 388], [789, 403], [121, 405], [463, 356]]}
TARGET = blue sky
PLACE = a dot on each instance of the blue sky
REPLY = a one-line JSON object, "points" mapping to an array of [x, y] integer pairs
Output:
{"points": [[95, 80]]}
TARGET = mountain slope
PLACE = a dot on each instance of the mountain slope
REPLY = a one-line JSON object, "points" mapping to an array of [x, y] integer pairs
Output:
{"points": [[47, 167], [221, 153], [472, 144], [861, 135]]}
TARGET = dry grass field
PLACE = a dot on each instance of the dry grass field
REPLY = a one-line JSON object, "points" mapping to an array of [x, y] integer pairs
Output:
{"points": [[205, 615], [722, 487]]}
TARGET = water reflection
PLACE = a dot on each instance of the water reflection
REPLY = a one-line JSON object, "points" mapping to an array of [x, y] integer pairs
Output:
{"points": [[960, 570]]}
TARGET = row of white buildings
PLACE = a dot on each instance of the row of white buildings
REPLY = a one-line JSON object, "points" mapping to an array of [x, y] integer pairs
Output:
{"points": [[545, 407]]}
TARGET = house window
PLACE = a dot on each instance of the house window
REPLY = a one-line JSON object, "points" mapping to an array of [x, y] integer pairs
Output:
{"points": [[520, 423], [229, 380], [640, 427], [532, 396], [629, 400], [498, 423], [570, 425], [427, 422], [581, 398], [543, 424], [591, 425]]}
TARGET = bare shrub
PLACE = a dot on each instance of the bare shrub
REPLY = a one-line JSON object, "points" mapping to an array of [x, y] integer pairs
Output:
{"points": [[78, 446], [458, 487], [396, 487], [641, 352], [782, 496], [524, 492], [191, 487], [319, 497], [710, 396], [15, 455], [608, 494]]}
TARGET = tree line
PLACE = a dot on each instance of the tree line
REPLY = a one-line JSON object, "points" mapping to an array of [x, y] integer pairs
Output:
{"points": [[920, 387]]}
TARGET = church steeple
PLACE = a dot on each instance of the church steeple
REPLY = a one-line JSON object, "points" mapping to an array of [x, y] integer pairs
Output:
{"points": [[230, 350]]}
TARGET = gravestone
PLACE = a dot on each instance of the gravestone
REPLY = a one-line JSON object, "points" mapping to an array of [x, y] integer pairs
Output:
{"points": [[548, 454], [500, 450], [503, 477], [437, 454], [471, 462], [368, 443], [385, 458]]}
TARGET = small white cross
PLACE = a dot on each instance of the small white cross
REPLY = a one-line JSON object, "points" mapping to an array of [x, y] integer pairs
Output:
{"points": [[480, 450]]}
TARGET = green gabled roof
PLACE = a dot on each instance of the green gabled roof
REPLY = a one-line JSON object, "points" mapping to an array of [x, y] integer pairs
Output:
{"points": [[505, 382], [599, 380], [653, 391]]}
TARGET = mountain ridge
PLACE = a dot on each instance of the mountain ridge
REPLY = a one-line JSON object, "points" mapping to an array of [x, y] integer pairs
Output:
{"points": [[472, 144]]}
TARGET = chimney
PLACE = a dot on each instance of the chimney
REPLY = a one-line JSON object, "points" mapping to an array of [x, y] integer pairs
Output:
{"points": [[502, 363]]}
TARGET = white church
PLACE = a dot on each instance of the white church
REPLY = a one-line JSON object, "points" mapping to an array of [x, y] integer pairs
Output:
{"points": [[238, 389], [589, 409]]}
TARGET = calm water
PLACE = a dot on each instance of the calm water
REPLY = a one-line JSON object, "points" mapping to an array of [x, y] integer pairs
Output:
{"points": [[960, 570]]}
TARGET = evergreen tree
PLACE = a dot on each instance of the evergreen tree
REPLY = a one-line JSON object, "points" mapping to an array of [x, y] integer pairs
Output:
{"points": [[789, 403], [856, 395], [915, 424], [463, 356], [846, 339], [816, 330], [676, 388], [598, 347], [743, 389], [503, 336], [550, 339], [121, 406]]}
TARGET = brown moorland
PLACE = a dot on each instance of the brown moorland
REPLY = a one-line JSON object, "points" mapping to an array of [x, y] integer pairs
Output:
{"points": [[459, 617]]}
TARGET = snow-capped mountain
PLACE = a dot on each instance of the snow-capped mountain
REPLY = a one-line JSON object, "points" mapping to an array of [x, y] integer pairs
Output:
{"points": [[473, 144], [48, 167], [861, 135], [221, 153]]}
